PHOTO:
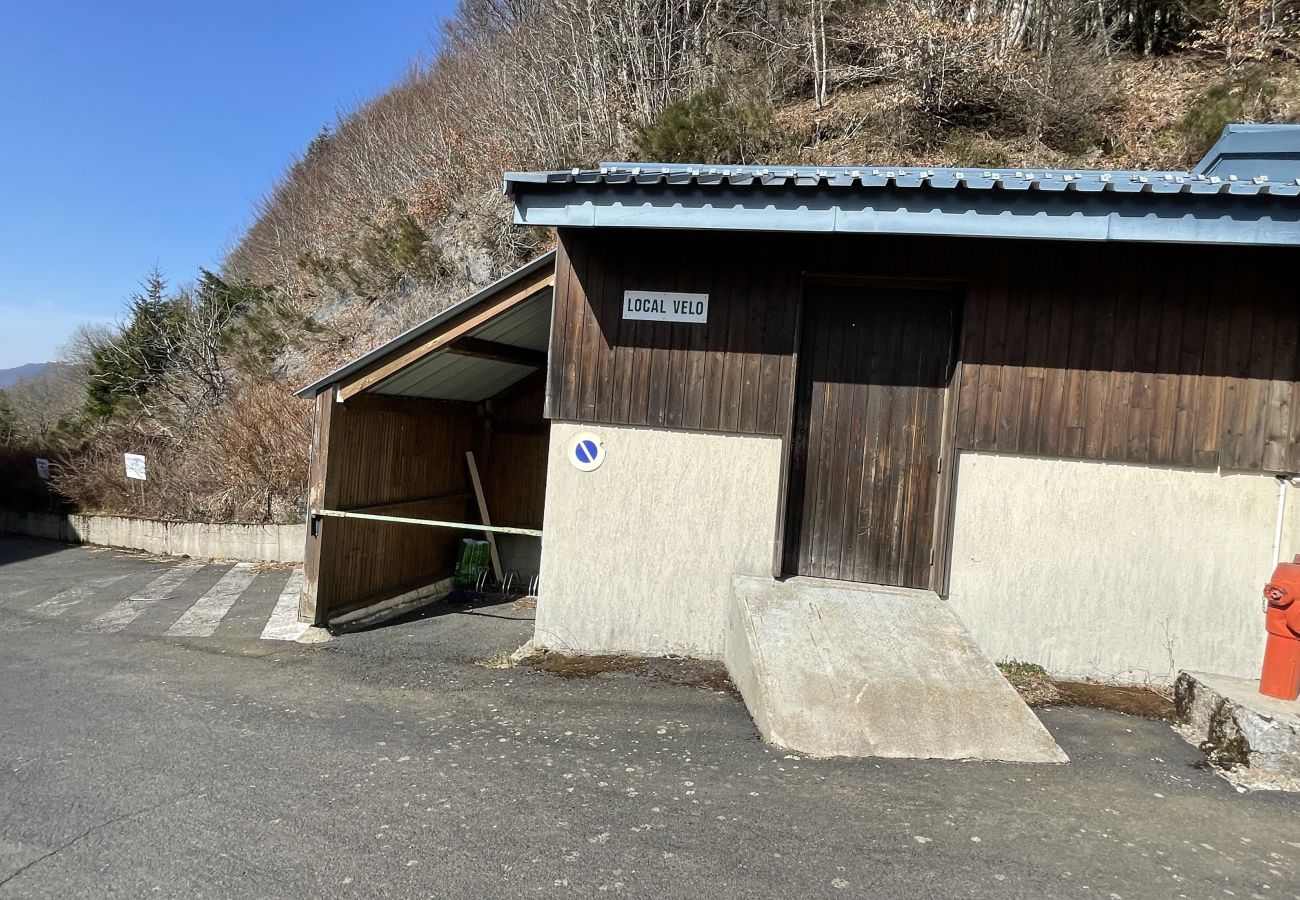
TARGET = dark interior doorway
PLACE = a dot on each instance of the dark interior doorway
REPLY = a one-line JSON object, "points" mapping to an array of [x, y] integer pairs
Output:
{"points": [[875, 365]]}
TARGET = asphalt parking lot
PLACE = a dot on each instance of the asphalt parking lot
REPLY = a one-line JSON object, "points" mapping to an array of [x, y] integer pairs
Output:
{"points": [[138, 761]]}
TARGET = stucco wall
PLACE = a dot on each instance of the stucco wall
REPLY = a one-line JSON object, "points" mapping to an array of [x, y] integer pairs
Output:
{"points": [[1124, 572], [256, 543], [638, 556]]}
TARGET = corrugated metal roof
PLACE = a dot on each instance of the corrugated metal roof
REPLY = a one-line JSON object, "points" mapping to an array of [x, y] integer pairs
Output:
{"points": [[527, 325], [1036, 204], [546, 260], [1222, 206], [446, 376], [449, 376]]}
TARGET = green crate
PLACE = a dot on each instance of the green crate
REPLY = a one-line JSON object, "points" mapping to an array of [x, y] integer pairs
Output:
{"points": [[475, 556]]}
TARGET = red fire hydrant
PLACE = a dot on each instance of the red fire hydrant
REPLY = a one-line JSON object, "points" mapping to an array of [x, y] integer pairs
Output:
{"points": [[1281, 676]]}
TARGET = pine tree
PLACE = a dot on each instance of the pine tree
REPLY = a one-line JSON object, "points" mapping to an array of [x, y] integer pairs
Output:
{"points": [[124, 368]]}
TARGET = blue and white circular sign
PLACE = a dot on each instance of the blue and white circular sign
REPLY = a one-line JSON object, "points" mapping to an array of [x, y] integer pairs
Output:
{"points": [[586, 451]]}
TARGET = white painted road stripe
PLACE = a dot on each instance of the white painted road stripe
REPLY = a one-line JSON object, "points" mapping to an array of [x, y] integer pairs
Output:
{"points": [[161, 588], [202, 619], [283, 624], [61, 602]]}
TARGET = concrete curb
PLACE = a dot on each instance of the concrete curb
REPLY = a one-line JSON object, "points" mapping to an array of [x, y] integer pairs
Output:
{"points": [[1255, 738], [252, 543]]}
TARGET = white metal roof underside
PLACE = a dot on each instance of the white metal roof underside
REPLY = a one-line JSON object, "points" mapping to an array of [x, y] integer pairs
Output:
{"points": [[444, 375]]}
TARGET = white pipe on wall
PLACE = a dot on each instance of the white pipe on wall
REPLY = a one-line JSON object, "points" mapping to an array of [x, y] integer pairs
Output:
{"points": [[1283, 481]]}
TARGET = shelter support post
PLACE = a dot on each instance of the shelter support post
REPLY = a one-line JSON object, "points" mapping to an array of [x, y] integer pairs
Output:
{"points": [[320, 494]]}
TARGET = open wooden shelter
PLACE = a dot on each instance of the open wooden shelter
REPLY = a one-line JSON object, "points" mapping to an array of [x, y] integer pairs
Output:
{"points": [[412, 442]]}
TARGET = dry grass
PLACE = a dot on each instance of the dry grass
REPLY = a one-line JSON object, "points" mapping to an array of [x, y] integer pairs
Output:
{"points": [[1040, 690], [1135, 700], [503, 660], [1136, 129], [245, 463], [566, 666], [1031, 682]]}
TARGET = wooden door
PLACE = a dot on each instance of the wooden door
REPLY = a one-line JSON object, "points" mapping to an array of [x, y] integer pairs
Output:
{"points": [[874, 369]]}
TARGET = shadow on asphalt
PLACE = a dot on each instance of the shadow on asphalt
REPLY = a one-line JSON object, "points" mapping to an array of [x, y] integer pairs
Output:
{"points": [[15, 549]]}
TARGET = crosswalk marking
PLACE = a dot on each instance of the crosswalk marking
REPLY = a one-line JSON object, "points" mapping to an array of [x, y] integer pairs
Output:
{"points": [[202, 619], [63, 601], [243, 604], [283, 624], [126, 612]]}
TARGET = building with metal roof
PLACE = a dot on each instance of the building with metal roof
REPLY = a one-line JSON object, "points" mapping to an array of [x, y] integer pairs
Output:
{"points": [[820, 417]]}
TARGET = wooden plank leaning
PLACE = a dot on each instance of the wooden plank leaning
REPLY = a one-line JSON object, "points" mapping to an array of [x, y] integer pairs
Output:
{"points": [[483, 514]]}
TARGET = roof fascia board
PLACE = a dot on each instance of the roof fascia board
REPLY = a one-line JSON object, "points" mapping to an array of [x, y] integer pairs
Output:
{"points": [[546, 260], [1081, 216]]}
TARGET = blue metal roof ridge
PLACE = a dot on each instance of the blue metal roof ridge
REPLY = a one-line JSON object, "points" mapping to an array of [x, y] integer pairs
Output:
{"points": [[1034, 203], [411, 334], [1270, 150], [909, 177]]}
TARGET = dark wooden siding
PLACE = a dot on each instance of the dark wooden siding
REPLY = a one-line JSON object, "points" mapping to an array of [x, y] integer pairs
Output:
{"points": [[513, 442], [386, 459], [862, 501], [732, 374], [1142, 355], [1154, 354]]}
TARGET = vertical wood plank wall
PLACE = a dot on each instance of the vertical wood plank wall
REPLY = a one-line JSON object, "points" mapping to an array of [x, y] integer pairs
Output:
{"points": [[379, 453], [1160, 354], [513, 441], [389, 455], [732, 374]]}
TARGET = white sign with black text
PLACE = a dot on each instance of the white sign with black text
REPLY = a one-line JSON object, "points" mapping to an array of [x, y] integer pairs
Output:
{"points": [[43, 468], [134, 466], [666, 306]]}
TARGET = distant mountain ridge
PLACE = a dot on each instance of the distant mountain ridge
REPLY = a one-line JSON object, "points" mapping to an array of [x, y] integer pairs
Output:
{"points": [[10, 377]]}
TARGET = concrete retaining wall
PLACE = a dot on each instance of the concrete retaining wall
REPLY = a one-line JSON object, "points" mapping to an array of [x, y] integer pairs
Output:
{"points": [[271, 543], [1122, 572], [638, 556]]}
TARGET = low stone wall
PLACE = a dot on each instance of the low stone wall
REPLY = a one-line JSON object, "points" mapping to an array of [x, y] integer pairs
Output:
{"points": [[257, 543]]}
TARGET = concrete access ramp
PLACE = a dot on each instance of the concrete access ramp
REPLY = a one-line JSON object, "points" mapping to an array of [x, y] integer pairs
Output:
{"points": [[829, 668]]}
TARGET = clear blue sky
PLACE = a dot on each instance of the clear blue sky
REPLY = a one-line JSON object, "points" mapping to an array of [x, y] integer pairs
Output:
{"points": [[133, 133]]}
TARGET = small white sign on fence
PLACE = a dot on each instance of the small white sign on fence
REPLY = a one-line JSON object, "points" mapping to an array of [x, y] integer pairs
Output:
{"points": [[134, 466], [43, 468]]}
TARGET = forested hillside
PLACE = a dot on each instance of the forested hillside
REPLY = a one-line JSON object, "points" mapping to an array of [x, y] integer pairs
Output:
{"points": [[396, 209]]}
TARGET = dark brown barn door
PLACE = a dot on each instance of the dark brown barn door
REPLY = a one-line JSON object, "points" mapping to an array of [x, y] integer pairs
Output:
{"points": [[874, 366]]}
